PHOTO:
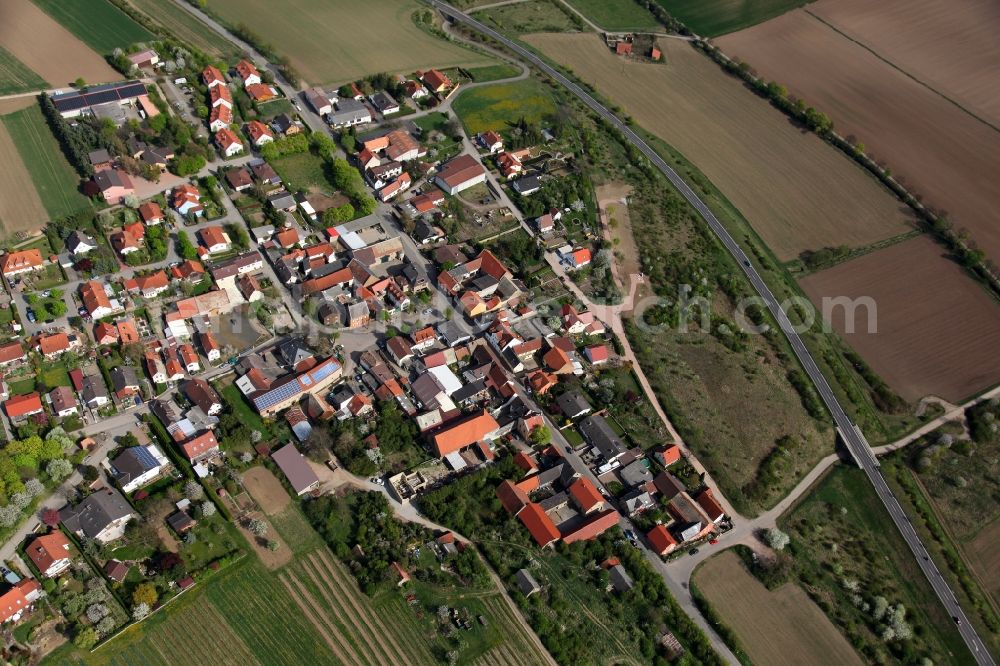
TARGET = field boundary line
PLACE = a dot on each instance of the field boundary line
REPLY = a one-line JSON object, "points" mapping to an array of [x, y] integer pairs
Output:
{"points": [[899, 69], [362, 616], [316, 618]]}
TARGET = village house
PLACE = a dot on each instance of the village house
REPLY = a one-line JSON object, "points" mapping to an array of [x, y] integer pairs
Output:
{"points": [[209, 346], [247, 73], [228, 143], [259, 133], [101, 516], [79, 243], [214, 239], [186, 200], [49, 553], [150, 213], [138, 466], [63, 401], [20, 407], [113, 185]]}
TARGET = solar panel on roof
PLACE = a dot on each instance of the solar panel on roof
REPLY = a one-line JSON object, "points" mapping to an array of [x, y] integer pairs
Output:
{"points": [[277, 395], [70, 104], [144, 457], [132, 90], [101, 97], [324, 371], [306, 379]]}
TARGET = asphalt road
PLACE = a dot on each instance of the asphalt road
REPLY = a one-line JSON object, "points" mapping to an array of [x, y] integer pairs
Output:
{"points": [[852, 436]]}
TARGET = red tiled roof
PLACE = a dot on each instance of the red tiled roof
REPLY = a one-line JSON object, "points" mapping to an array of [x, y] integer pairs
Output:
{"points": [[711, 505], [210, 74], [511, 497], [47, 549], [198, 445], [260, 92], [670, 454], [556, 359], [524, 461], [594, 527], [11, 352], [257, 130], [584, 492], [541, 527], [246, 69], [15, 261], [11, 603], [661, 540], [225, 137], [464, 433], [150, 211], [21, 405], [53, 344], [220, 93]]}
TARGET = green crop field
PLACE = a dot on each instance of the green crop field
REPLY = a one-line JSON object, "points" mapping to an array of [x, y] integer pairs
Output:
{"points": [[711, 18], [335, 41], [492, 107], [15, 77], [616, 14], [187, 27], [99, 24], [55, 180]]}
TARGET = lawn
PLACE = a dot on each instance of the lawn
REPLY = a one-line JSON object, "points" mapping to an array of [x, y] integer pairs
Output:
{"points": [[711, 18], [98, 23], [495, 107], [54, 179], [15, 77], [269, 110], [21, 386], [331, 41], [493, 73], [616, 14], [303, 171], [55, 375], [187, 27], [850, 557]]}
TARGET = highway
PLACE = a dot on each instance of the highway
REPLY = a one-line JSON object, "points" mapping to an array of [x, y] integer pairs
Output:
{"points": [[851, 435]]}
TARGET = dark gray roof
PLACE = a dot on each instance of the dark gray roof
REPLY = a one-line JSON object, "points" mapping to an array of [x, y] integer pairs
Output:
{"points": [[573, 404], [96, 512], [93, 387], [123, 376], [426, 388], [469, 391], [99, 156], [635, 474], [599, 434], [77, 238], [527, 183], [620, 579], [526, 582], [293, 351]]}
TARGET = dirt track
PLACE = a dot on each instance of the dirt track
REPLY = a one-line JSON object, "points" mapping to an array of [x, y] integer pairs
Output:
{"points": [[48, 49], [797, 192], [936, 149]]}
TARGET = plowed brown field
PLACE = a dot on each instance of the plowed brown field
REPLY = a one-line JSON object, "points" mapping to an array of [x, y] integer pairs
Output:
{"points": [[952, 46], [933, 146], [47, 48], [937, 330], [797, 192]]}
